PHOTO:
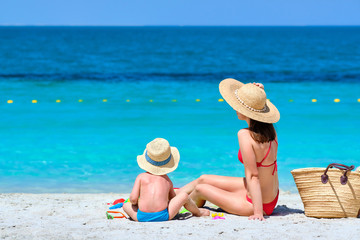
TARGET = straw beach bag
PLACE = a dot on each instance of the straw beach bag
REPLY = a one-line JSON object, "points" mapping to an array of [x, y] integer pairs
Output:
{"points": [[329, 192]]}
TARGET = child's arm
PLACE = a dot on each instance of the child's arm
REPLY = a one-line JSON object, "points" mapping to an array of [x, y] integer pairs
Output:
{"points": [[172, 193], [135, 193]]}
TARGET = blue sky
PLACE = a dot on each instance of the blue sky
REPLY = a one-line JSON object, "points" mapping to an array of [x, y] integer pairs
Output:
{"points": [[180, 12]]}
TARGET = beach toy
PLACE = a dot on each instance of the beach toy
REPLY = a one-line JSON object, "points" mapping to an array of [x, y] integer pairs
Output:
{"points": [[109, 216], [120, 200], [119, 205], [184, 211], [218, 216]]}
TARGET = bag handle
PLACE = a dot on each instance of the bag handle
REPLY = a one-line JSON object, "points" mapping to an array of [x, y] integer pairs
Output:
{"points": [[343, 178]]}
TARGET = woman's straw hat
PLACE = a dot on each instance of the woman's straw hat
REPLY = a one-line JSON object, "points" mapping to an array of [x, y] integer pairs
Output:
{"points": [[249, 99], [159, 158]]}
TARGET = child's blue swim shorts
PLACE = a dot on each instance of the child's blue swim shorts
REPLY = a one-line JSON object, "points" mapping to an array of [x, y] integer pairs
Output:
{"points": [[153, 216]]}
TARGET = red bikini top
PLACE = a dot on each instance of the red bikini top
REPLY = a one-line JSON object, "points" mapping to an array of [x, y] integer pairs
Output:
{"points": [[259, 164]]}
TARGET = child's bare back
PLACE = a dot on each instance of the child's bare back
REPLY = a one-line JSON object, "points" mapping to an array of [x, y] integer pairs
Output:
{"points": [[154, 192]]}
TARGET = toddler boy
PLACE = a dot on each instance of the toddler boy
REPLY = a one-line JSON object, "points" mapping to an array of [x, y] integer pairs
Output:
{"points": [[153, 198]]}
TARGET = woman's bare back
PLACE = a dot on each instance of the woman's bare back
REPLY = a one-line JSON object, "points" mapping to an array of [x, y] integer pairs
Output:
{"points": [[269, 182]]}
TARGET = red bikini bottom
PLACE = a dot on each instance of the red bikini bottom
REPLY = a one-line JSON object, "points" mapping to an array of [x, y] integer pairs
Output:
{"points": [[268, 208]]}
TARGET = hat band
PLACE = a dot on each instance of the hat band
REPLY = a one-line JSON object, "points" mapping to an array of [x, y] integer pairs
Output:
{"points": [[155, 163], [247, 106]]}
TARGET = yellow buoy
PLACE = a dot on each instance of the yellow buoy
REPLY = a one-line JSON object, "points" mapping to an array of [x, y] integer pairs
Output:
{"points": [[314, 100], [58, 100], [104, 100], [10, 101], [198, 100], [34, 101], [336, 100], [80, 100], [174, 100], [358, 99], [127, 100], [221, 100], [151, 100], [291, 100]]}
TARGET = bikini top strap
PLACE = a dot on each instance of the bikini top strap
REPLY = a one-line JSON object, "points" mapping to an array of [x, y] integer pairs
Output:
{"points": [[276, 141], [265, 155]]}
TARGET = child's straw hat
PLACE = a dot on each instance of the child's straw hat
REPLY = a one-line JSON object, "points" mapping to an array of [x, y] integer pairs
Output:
{"points": [[159, 158], [249, 99]]}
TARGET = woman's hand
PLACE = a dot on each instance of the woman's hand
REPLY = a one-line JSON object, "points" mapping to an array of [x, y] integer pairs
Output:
{"points": [[257, 217], [259, 85]]}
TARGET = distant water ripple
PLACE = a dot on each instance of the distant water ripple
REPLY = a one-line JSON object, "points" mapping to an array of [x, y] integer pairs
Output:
{"points": [[215, 77]]}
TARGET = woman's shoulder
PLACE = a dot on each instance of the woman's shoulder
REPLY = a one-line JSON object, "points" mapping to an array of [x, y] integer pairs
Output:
{"points": [[244, 135], [244, 132]]}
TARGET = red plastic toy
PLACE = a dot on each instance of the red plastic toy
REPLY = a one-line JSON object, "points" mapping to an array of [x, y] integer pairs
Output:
{"points": [[121, 200]]}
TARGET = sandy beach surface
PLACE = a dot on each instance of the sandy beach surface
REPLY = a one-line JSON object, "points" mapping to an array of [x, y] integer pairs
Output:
{"points": [[83, 216]]}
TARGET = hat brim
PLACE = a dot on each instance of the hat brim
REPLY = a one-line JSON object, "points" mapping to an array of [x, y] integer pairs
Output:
{"points": [[160, 170], [227, 89]]}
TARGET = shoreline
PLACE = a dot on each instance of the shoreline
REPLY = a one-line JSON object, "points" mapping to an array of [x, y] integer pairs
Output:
{"points": [[83, 216]]}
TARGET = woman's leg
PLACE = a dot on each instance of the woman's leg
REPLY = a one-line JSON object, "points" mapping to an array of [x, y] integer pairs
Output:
{"points": [[230, 184], [231, 202], [229, 193]]}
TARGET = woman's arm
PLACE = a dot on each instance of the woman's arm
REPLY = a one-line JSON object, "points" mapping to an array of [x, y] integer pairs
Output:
{"points": [[251, 173], [135, 193]]}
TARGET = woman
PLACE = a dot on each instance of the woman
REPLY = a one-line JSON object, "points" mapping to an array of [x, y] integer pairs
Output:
{"points": [[257, 193]]}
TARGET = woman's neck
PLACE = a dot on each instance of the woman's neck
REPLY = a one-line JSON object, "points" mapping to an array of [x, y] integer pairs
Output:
{"points": [[247, 121]]}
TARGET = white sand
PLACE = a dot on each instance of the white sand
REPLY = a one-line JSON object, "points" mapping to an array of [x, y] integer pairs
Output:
{"points": [[82, 216]]}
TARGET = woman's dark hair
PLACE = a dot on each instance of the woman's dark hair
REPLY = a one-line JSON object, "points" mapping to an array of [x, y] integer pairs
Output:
{"points": [[262, 132]]}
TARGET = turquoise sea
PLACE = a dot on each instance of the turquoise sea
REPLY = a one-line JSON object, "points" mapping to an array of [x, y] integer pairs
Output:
{"points": [[78, 104]]}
